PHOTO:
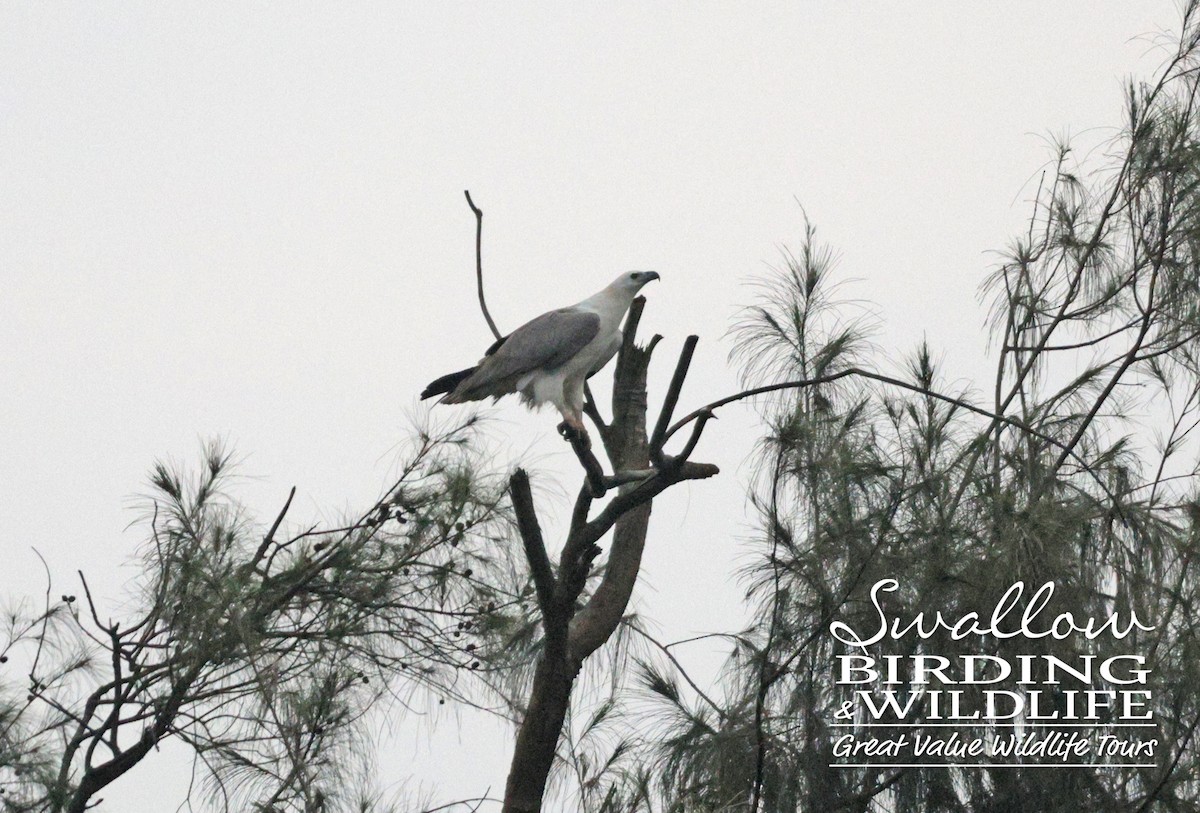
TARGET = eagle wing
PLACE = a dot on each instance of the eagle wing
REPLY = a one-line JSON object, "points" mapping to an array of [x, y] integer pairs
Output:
{"points": [[542, 345]]}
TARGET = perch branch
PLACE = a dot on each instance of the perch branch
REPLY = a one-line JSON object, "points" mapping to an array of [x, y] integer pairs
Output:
{"points": [[591, 466], [592, 411]]}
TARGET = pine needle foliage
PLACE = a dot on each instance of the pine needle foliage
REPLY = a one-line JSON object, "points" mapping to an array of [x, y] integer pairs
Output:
{"points": [[1089, 481], [261, 649]]}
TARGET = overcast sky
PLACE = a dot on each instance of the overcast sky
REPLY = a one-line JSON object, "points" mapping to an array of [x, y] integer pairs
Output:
{"points": [[247, 222]]}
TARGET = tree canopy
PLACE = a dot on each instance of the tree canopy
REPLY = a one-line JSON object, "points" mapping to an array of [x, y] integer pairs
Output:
{"points": [[264, 647]]}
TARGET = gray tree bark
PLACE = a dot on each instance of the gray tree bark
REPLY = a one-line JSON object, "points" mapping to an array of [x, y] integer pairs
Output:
{"points": [[573, 633]]}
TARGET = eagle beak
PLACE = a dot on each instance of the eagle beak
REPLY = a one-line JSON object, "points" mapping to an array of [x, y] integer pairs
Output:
{"points": [[652, 275]]}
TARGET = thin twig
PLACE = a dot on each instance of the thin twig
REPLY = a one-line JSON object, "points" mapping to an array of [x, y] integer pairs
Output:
{"points": [[479, 263], [1068, 451], [478, 800], [665, 648], [37, 657], [270, 537]]}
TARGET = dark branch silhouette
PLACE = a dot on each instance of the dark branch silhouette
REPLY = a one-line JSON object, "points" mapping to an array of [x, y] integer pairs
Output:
{"points": [[479, 265]]}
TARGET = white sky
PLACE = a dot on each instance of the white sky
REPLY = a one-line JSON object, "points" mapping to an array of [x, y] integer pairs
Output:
{"points": [[247, 222]]}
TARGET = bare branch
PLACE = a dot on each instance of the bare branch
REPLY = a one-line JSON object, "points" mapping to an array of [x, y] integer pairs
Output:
{"points": [[531, 537], [643, 493], [593, 412], [697, 430], [592, 469], [672, 398], [1068, 451], [270, 537], [479, 264]]}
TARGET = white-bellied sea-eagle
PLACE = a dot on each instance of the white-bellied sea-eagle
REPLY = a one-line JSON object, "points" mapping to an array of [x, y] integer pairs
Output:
{"points": [[547, 360]]}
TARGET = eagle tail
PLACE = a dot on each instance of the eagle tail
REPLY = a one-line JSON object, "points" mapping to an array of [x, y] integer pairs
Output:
{"points": [[447, 383]]}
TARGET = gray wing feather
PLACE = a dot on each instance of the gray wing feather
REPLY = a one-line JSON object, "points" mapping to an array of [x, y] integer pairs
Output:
{"points": [[545, 343]]}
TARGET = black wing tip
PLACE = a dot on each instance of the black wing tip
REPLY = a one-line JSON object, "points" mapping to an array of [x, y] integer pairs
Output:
{"points": [[446, 383]]}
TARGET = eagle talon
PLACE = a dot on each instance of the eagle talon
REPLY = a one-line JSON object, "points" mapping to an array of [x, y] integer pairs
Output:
{"points": [[574, 434]]}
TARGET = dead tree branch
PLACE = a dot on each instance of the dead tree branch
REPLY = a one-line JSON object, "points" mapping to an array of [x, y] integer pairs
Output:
{"points": [[592, 469], [573, 631], [672, 399], [479, 264], [531, 536]]}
